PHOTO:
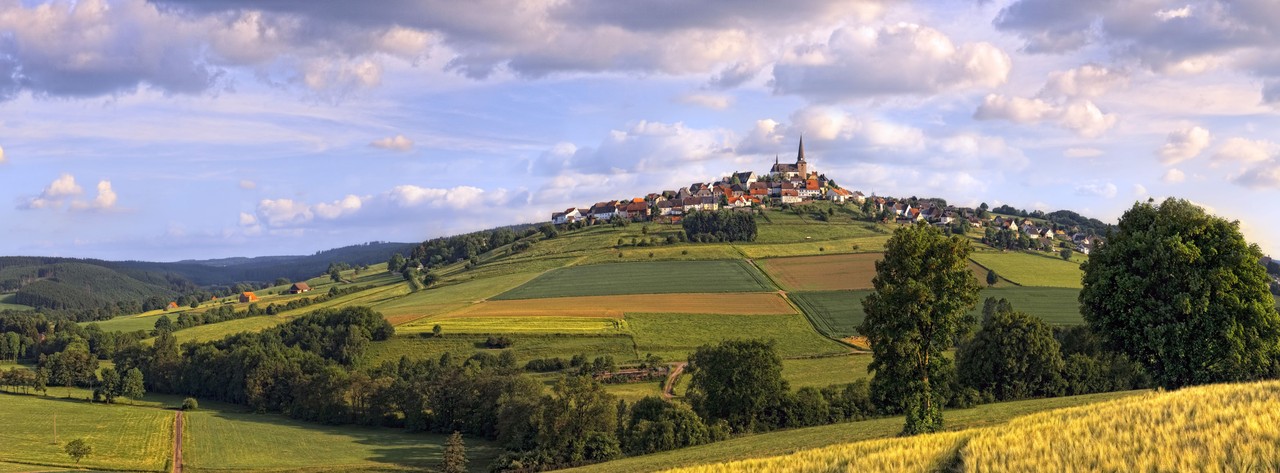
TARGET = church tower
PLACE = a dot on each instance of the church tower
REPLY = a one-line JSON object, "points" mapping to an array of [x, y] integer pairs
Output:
{"points": [[801, 166]]}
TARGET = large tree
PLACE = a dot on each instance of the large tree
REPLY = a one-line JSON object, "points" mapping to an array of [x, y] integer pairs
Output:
{"points": [[924, 290], [1182, 292], [1013, 355], [738, 381]]}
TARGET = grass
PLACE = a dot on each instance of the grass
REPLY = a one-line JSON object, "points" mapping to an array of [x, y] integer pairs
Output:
{"points": [[826, 371], [122, 437], [632, 392], [823, 273], [525, 346], [675, 336], [549, 324], [789, 441], [809, 248], [837, 314], [6, 303], [231, 441], [793, 231], [1026, 269], [1229, 427], [615, 306], [644, 278]]}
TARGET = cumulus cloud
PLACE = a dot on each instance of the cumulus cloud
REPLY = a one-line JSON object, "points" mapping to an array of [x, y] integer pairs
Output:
{"points": [[248, 184], [247, 219], [851, 64], [393, 143], [283, 212], [1139, 190], [1173, 176], [711, 101], [1184, 144], [64, 193], [1262, 176], [1080, 116], [1097, 189], [346, 206], [1241, 150], [1087, 81]]}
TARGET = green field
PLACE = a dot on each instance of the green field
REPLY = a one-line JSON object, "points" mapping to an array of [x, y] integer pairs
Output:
{"points": [[663, 277], [794, 232], [232, 441], [6, 303], [525, 347], [675, 336], [1028, 269], [874, 243], [826, 371], [122, 437], [529, 324], [837, 314], [788, 441]]}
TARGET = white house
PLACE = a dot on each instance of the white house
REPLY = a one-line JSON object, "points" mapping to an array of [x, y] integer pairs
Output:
{"points": [[568, 216]]}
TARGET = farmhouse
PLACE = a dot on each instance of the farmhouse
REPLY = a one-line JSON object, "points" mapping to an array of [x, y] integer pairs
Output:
{"points": [[299, 288], [171, 306], [248, 297]]}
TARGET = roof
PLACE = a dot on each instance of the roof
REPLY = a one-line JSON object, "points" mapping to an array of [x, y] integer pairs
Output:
{"points": [[301, 286]]}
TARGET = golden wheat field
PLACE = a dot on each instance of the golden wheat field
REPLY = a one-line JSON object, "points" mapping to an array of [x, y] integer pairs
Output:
{"points": [[616, 306], [1219, 428]]}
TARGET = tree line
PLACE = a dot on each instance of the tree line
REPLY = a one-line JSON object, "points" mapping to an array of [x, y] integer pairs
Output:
{"points": [[722, 225]]}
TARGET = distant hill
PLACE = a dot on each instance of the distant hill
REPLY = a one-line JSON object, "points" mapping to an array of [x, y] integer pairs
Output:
{"points": [[75, 284]]}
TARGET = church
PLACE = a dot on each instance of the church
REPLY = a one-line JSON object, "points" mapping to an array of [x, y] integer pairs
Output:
{"points": [[790, 171]]}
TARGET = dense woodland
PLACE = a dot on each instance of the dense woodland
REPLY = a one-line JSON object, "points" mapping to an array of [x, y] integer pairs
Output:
{"points": [[723, 225]]}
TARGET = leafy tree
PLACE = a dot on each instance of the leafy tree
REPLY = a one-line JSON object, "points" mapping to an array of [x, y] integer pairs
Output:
{"points": [[992, 278], [656, 425], [1181, 292], [190, 404], [109, 387], [738, 381], [78, 449], [1013, 355], [164, 324], [923, 292], [1066, 254], [335, 274], [131, 385], [455, 455], [395, 263], [437, 330]]}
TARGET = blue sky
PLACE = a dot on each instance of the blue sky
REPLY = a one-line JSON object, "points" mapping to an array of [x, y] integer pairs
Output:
{"points": [[176, 129]]}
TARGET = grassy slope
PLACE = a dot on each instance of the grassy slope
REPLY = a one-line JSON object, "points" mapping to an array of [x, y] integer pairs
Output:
{"points": [[122, 437], [787, 441], [674, 336], [1031, 268], [1230, 427], [664, 277]]}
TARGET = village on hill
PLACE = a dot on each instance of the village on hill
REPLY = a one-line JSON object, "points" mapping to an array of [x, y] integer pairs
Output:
{"points": [[788, 184]]}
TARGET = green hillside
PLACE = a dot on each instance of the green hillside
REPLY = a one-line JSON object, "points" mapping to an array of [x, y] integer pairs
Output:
{"points": [[78, 286]]}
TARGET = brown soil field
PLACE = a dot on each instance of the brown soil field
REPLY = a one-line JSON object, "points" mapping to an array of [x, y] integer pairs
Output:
{"points": [[616, 306], [850, 272]]}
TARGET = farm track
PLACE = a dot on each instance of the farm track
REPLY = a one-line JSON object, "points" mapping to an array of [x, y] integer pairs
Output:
{"points": [[177, 443], [669, 387]]}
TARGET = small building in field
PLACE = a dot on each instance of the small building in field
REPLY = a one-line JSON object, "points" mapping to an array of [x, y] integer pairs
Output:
{"points": [[171, 306], [248, 297], [299, 288]]}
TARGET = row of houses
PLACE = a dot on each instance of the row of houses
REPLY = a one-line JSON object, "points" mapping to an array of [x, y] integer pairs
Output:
{"points": [[904, 211]]}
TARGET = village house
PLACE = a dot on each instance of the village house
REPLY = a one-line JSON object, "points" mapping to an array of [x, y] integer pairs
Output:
{"points": [[246, 297], [299, 288]]}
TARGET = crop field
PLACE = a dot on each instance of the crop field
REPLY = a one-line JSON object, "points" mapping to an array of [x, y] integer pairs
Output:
{"points": [[218, 331], [439, 300], [837, 314], [525, 346], [122, 437], [1229, 427], [675, 336], [550, 324], [823, 273], [800, 231], [662, 277], [825, 371], [231, 441], [810, 248], [792, 440], [1055, 305], [1026, 269], [616, 306], [677, 252]]}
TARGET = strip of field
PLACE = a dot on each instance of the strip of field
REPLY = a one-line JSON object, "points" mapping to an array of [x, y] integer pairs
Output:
{"points": [[788, 441], [661, 277], [526, 346], [548, 324], [826, 371], [823, 273], [675, 336], [6, 303], [1031, 270], [122, 437], [614, 306], [232, 441], [801, 231], [837, 314]]}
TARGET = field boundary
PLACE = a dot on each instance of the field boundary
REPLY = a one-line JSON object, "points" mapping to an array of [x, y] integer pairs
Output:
{"points": [[983, 266]]}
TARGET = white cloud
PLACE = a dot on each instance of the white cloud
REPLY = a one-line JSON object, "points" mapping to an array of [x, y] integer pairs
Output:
{"points": [[1087, 81], [55, 194], [459, 197], [1241, 150], [1080, 116], [1184, 144], [1166, 15], [1263, 176], [106, 198], [248, 184], [247, 219], [852, 64], [1097, 189], [346, 206], [1, 154], [394, 143], [1173, 176], [284, 212], [1082, 152], [1139, 190], [711, 101]]}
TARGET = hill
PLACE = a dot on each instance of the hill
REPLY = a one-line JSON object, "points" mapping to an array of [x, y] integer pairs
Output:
{"points": [[1230, 427], [267, 268]]}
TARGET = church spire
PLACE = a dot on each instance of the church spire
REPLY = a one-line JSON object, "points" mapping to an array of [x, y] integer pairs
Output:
{"points": [[775, 160], [800, 154]]}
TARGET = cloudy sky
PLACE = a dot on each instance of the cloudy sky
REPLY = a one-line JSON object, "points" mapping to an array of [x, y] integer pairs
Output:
{"points": [[171, 129]]}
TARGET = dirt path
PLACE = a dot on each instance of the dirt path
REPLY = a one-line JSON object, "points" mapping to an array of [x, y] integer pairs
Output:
{"points": [[670, 385], [177, 443]]}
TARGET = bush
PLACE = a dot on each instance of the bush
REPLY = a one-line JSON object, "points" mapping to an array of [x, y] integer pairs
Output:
{"points": [[497, 342], [190, 404]]}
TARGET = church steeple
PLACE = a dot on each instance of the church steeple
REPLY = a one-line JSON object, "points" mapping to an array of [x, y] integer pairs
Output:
{"points": [[800, 154]]}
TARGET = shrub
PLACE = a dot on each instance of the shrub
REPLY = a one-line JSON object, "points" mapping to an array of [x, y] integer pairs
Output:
{"points": [[190, 404]]}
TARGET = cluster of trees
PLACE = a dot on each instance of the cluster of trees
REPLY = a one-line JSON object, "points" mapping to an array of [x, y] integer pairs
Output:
{"points": [[448, 250], [115, 384], [724, 225], [1006, 239]]}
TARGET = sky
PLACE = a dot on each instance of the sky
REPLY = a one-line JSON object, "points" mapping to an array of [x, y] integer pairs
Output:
{"points": [[188, 129]]}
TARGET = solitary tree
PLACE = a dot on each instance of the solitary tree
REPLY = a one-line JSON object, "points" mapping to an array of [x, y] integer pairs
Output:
{"points": [[455, 455], [991, 277], [1066, 254], [1181, 292], [738, 381], [923, 293], [78, 449], [131, 385]]}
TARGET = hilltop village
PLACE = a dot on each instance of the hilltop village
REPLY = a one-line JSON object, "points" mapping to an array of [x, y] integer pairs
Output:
{"points": [[788, 185]]}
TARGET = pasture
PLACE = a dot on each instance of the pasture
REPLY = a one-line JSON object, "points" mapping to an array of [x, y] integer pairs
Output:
{"points": [[526, 346], [224, 441], [792, 440], [675, 336], [1026, 269], [6, 303], [663, 277], [826, 371], [837, 314], [873, 243], [615, 306], [122, 437], [548, 324], [823, 273], [787, 231]]}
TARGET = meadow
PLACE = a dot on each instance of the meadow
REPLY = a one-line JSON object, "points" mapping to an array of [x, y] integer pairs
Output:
{"points": [[810, 248], [222, 441], [123, 437], [662, 277], [825, 371], [1027, 269], [823, 273], [836, 314], [546, 324], [675, 336], [525, 346], [6, 303], [615, 306], [785, 442], [1229, 427]]}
